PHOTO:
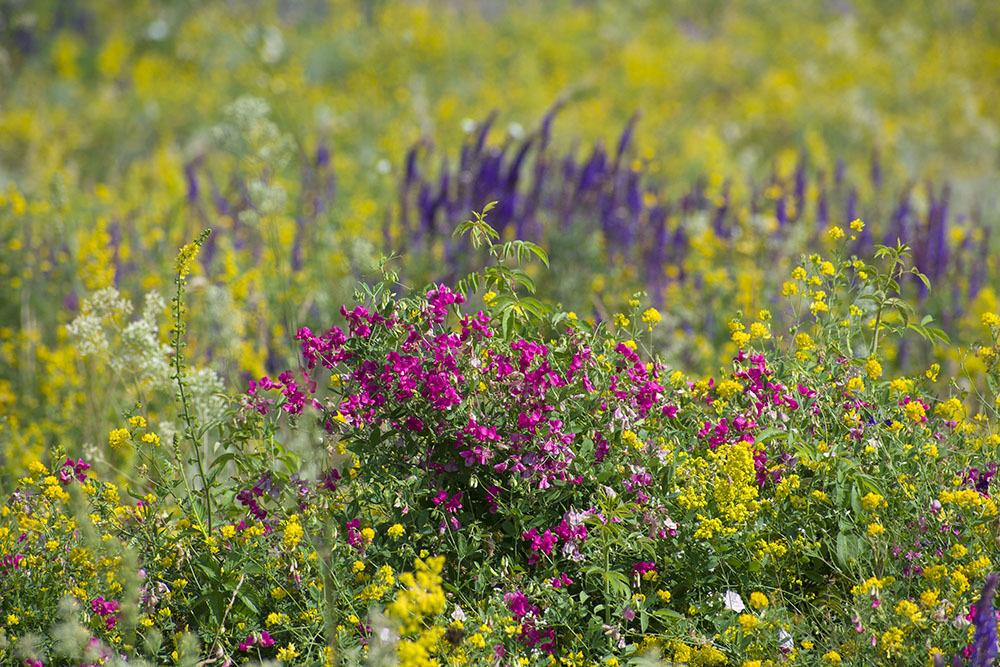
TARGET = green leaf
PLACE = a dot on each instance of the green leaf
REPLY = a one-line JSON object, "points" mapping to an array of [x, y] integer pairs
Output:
{"points": [[248, 601], [769, 434], [940, 335], [847, 549], [856, 500], [541, 254], [507, 324], [228, 456], [524, 279]]}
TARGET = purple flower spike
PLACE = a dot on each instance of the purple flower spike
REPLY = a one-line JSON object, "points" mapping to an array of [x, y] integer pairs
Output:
{"points": [[193, 191], [984, 642]]}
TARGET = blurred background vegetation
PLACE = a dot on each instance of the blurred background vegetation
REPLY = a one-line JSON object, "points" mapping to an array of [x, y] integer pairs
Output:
{"points": [[313, 136]]}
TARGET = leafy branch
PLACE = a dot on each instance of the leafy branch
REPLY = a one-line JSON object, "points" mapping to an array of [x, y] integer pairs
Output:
{"points": [[886, 291], [501, 279]]}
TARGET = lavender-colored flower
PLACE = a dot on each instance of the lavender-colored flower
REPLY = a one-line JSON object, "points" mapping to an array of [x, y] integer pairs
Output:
{"points": [[593, 170], [485, 130], [852, 206], [876, 170], [984, 642], [626, 138], [192, 183], [822, 210], [800, 183], [411, 168], [322, 156]]}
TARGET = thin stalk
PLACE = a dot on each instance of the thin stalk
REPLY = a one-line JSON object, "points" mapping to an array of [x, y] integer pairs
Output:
{"points": [[183, 263]]}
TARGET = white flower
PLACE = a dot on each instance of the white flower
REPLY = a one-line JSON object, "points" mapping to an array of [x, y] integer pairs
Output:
{"points": [[733, 602], [458, 614]]}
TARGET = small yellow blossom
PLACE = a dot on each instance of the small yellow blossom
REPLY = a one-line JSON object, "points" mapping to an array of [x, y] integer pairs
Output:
{"points": [[184, 258], [872, 501], [288, 652], [804, 341], [759, 330], [117, 438], [915, 411], [651, 317]]}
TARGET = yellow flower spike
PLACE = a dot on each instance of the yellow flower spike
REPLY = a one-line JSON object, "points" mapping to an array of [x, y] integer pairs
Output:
{"points": [[182, 266]]}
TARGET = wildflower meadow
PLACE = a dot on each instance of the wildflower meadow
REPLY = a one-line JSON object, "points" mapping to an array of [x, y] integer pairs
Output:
{"points": [[360, 332]]}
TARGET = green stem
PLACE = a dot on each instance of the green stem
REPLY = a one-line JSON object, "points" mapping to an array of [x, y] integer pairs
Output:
{"points": [[179, 374]]}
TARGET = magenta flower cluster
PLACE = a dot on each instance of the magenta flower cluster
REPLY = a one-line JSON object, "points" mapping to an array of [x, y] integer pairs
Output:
{"points": [[73, 469], [528, 615], [261, 639], [106, 609]]}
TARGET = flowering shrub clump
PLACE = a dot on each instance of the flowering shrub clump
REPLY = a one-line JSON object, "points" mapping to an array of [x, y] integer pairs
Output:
{"points": [[515, 484]]}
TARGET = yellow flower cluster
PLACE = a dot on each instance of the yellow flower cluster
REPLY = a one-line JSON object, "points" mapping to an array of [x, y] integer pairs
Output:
{"points": [[872, 501], [726, 479], [873, 583], [421, 599], [293, 532], [969, 500], [651, 318], [118, 437], [184, 258]]}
